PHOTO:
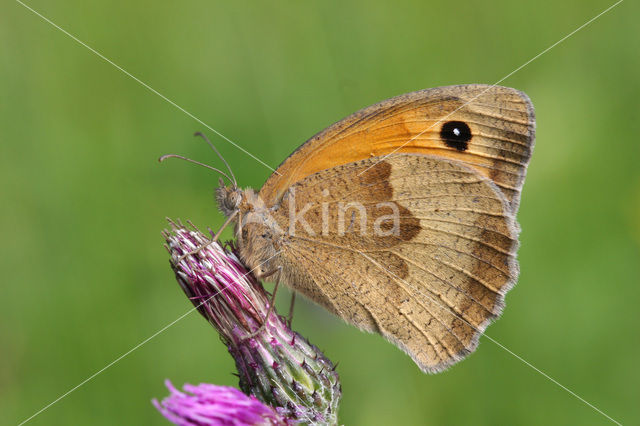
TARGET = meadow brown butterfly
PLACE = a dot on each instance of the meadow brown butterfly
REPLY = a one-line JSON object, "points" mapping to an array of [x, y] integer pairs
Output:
{"points": [[400, 219]]}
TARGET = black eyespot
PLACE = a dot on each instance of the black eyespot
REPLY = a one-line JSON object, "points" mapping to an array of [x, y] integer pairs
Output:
{"points": [[456, 134]]}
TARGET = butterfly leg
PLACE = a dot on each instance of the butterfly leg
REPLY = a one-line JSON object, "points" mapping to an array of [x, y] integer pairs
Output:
{"points": [[293, 301], [213, 240]]}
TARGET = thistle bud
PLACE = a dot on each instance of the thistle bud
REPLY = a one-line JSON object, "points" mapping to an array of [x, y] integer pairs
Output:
{"points": [[275, 364]]}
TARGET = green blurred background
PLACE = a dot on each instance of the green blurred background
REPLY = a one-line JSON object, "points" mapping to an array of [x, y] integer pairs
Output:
{"points": [[83, 200]]}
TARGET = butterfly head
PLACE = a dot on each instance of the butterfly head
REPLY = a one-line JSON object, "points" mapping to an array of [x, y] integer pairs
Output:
{"points": [[228, 198]]}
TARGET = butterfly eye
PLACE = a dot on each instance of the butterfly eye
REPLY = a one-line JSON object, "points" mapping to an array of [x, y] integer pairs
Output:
{"points": [[456, 134]]}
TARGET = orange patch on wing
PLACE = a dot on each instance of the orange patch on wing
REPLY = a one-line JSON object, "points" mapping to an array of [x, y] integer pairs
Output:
{"points": [[500, 119]]}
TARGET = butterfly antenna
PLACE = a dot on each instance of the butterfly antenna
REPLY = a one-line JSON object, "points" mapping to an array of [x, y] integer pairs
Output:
{"points": [[235, 183], [164, 157]]}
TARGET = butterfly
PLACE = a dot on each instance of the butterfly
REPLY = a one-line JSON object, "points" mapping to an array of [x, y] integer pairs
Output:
{"points": [[399, 219]]}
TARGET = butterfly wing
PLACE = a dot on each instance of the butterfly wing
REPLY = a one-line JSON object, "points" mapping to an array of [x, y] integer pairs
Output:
{"points": [[430, 281], [488, 128]]}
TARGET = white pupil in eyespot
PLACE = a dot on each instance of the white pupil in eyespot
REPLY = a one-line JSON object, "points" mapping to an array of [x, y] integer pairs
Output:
{"points": [[456, 131]]}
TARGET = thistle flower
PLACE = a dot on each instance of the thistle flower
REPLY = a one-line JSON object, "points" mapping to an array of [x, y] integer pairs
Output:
{"points": [[221, 405], [275, 364]]}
